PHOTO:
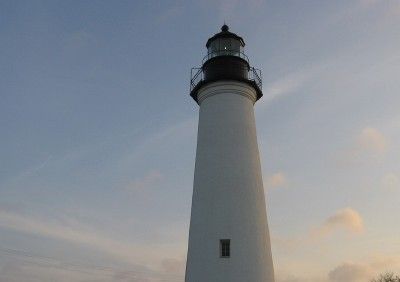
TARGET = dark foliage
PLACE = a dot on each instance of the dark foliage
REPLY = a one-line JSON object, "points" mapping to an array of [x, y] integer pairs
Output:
{"points": [[387, 277]]}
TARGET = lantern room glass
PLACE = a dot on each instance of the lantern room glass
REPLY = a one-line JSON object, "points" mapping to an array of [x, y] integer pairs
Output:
{"points": [[225, 46]]}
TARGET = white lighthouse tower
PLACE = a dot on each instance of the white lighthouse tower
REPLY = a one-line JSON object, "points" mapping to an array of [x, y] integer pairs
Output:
{"points": [[228, 238]]}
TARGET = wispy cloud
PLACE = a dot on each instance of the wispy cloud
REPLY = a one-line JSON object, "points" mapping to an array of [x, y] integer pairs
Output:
{"points": [[285, 277], [173, 265], [351, 272], [276, 180], [32, 270], [364, 271], [347, 219], [30, 171], [78, 234], [166, 137], [290, 83], [286, 85], [370, 145], [390, 181], [28, 267], [372, 140], [64, 232], [148, 181]]}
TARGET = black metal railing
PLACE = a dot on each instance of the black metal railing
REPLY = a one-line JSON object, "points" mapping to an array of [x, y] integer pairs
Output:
{"points": [[197, 76], [225, 53], [256, 76]]}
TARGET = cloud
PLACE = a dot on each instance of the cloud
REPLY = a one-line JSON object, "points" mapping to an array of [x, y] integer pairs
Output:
{"points": [[372, 140], [347, 271], [131, 276], [288, 244], [347, 219], [150, 263], [390, 181], [286, 85], [173, 265], [276, 180], [282, 87], [148, 181], [291, 278], [32, 171], [361, 272], [164, 139], [351, 272], [31, 268], [369, 145], [25, 266], [292, 82], [143, 255]]}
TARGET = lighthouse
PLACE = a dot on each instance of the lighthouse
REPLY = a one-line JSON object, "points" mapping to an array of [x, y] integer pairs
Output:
{"points": [[228, 237]]}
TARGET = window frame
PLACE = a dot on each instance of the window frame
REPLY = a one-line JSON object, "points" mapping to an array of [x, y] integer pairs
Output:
{"points": [[225, 248]]}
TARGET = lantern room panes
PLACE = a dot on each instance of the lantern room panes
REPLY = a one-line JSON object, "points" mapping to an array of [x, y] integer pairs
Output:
{"points": [[214, 47], [225, 44], [236, 47]]}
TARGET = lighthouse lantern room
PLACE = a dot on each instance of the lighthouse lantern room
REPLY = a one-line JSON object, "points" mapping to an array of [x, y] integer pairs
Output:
{"points": [[225, 59]]}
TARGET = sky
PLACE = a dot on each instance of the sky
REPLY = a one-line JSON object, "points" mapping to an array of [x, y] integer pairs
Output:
{"points": [[98, 135]]}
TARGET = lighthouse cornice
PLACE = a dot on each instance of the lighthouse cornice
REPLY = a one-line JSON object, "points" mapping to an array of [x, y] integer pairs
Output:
{"points": [[227, 87]]}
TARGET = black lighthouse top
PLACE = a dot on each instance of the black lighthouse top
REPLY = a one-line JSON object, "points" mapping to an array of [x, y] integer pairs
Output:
{"points": [[225, 34], [225, 60]]}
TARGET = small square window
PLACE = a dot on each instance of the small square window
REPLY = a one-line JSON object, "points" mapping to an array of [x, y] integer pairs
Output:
{"points": [[225, 248]]}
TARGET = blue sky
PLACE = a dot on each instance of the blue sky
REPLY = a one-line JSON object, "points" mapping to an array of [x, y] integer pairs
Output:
{"points": [[98, 135]]}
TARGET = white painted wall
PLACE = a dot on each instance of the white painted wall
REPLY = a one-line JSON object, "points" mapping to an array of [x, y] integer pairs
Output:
{"points": [[228, 196]]}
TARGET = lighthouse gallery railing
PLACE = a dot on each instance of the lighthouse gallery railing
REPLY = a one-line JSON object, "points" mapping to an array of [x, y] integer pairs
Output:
{"points": [[197, 76]]}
